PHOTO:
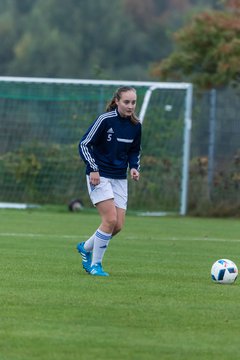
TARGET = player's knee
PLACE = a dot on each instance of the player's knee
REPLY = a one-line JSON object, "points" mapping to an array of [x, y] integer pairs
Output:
{"points": [[111, 222]]}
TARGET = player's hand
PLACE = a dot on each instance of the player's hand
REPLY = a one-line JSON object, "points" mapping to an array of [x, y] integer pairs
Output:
{"points": [[94, 178], [134, 174]]}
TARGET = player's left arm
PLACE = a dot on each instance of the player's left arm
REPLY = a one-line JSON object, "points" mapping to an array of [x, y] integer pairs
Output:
{"points": [[134, 156]]}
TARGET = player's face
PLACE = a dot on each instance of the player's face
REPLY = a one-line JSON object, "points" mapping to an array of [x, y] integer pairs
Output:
{"points": [[127, 103]]}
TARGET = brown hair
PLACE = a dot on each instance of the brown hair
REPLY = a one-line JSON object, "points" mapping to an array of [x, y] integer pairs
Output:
{"points": [[117, 95]]}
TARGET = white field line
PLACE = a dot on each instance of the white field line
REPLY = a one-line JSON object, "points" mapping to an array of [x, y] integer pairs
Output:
{"points": [[127, 238], [189, 239], [42, 235]]}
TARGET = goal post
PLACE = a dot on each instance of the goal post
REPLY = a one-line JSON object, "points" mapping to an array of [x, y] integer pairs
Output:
{"points": [[42, 120], [187, 132]]}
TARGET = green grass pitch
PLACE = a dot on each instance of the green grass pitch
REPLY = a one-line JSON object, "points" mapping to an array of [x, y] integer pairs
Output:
{"points": [[158, 303]]}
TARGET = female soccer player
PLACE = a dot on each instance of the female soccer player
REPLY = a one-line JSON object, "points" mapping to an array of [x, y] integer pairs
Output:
{"points": [[110, 146]]}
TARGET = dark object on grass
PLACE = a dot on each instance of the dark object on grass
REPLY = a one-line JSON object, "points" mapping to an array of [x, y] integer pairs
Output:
{"points": [[75, 205]]}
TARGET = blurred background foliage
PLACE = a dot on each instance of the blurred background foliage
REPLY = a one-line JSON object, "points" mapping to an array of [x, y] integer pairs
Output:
{"points": [[207, 49], [107, 39]]}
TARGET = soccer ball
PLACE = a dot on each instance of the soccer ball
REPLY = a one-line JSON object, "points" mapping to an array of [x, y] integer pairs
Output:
{"points": [[224, 271]]}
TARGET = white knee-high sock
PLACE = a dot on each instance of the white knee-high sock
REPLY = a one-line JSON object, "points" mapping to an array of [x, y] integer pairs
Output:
{"points": [[101, 242], [88, 246]]}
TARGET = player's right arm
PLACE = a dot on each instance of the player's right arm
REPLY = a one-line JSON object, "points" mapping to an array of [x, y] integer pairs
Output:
{"points": [[87, 142]]}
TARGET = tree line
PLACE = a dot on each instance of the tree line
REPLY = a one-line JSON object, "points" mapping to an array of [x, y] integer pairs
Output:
{"points": [[107, 39]]}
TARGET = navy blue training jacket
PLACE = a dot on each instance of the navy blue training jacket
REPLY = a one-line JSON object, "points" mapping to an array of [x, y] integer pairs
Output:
{"points": [[111, 145]]}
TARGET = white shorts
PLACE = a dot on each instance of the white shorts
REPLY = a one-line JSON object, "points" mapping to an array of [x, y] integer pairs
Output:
{"points": [[116, 189]]}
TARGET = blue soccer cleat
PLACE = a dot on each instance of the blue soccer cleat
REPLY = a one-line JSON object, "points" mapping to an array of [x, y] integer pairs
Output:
{"points": [[86, 257], [97, 270]]}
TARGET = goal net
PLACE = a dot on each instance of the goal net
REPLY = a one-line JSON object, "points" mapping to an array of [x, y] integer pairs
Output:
{"points": [[42, 121]]}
